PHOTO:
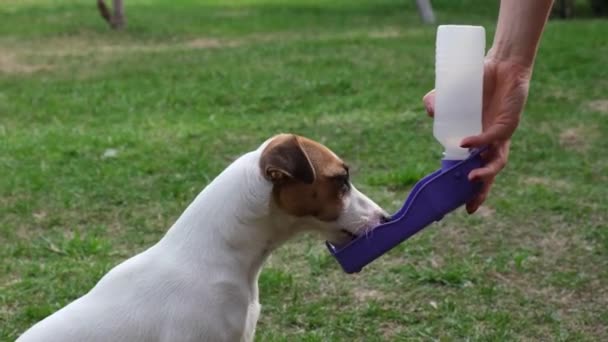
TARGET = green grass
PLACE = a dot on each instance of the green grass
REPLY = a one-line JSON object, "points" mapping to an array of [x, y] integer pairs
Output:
{"points": [[188, 87]]}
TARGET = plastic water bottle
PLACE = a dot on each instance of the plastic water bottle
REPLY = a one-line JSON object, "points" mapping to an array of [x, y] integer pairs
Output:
{"points": [[459, 59]]}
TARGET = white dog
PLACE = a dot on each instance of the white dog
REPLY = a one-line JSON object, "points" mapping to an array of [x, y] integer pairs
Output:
{"points": [[199, 282]]}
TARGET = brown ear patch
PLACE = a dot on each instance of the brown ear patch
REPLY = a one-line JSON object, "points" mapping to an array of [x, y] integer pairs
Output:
{"points": [[305, 175], [284, 159]]}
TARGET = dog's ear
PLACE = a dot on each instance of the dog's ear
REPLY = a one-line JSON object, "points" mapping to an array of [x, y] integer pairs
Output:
{"points": [[284, 159]]}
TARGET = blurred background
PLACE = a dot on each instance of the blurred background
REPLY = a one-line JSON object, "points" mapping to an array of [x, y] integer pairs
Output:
{"points": [[115, 114]]}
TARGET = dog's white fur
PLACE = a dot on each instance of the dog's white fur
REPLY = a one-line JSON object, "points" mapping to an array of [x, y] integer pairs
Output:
{"points": [[199, 282]]}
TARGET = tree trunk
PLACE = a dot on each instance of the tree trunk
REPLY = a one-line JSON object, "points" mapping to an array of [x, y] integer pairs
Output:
{"points": [[426, 11], [116, 19], [566, 9]]}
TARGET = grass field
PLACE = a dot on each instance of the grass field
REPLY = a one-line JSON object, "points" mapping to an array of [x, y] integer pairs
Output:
{"points": [[105, 137]]}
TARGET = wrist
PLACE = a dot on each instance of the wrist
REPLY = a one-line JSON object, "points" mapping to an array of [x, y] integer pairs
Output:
{"points": [[507, 53], [519, 65]]}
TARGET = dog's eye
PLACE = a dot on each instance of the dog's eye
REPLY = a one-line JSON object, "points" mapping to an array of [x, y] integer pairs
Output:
{"points": [[343, 182]]}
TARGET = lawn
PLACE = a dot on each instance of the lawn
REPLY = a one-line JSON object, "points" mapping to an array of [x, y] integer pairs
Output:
{"points": [[105, 137]]}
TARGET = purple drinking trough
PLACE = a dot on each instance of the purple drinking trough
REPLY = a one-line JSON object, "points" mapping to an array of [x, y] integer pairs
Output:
{"points": [[432, 197]]}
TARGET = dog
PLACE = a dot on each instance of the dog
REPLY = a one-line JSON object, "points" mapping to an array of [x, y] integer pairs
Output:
{"points": [[200, 281]]}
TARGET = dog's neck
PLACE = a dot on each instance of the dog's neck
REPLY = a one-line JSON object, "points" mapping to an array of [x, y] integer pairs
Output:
{"points": [[232, 222]]}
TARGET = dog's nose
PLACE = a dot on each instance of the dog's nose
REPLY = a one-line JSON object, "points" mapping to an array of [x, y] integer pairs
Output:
{"points": [[384, 218]]}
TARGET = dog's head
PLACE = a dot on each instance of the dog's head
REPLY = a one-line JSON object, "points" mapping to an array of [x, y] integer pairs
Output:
{"points": [[312, 183]]}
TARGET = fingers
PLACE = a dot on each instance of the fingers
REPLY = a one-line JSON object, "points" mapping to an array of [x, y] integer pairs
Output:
{"points": [[495, 158], [490, 170], [478, 200], [429, 102], [496, 132]]}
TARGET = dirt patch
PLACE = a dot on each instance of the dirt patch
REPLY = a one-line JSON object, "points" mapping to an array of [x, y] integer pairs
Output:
{"points": [[100, 50], [547, 182], [599, 106], [365, 295], [388, 33], [564, 300], [485, 212], [9, 280], [10, 64], [393, 32], [553, 244], [559, 93], [206, 43], [571, 138], [577, 138], [82, 46], [390, 330]]}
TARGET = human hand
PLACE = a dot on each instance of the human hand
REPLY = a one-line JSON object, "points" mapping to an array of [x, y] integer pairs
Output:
{"points": [[505, 90]]}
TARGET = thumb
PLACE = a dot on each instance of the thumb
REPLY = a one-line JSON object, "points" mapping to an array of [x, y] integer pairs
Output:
{"points": [[429, 102]]}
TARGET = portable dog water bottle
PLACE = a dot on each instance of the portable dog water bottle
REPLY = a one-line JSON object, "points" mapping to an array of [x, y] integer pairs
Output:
{"points": [[458, 100]]}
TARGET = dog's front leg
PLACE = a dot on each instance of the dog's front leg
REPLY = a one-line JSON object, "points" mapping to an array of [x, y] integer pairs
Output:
{"points": [[253, 313]]}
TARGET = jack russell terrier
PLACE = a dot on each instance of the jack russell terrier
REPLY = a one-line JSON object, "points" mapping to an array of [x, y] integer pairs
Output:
{"points": [[200, 281]]}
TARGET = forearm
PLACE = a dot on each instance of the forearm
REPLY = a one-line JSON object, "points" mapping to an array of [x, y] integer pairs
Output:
{"points": [[519, 29]]}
